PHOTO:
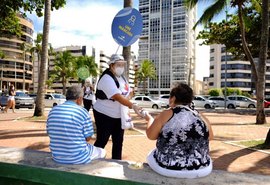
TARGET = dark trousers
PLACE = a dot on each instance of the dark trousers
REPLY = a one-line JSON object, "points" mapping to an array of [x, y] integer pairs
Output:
{"points": [[106, 127], [87, 104]]}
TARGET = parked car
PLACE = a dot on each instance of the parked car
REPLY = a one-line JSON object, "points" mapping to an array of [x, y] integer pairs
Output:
{"points": [[266, 104], [54, 99], [220, 102], [243, 101], [148, 102], [3, 99], [164, 98], [22, 100], [200, 101], [34, 96]]}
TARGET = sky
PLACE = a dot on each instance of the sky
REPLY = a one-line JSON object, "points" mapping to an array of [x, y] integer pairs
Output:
{"points": [[88, 22]]}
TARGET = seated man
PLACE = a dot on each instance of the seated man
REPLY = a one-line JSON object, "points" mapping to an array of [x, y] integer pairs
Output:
{"points": [[69, 127]]}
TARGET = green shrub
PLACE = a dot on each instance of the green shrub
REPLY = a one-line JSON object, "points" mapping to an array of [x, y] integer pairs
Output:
{"points": [[232, 91], [214, 92]]}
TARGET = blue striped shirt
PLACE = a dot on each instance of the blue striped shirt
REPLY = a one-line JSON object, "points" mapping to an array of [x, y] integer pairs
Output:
{"points": [[68, 125]]}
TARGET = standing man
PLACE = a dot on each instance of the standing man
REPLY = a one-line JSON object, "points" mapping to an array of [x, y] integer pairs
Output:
{"points": [[69, 127]]}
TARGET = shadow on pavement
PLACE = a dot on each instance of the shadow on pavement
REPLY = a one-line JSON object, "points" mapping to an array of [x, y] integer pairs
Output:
{"points": [[22, 134]]}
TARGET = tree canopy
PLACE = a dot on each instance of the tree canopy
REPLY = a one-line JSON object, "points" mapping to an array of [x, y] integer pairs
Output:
{"points": [[227, 32], [9, 22]]}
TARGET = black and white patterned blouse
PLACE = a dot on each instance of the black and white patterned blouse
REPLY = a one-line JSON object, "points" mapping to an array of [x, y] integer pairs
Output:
{"points": [[183, 142]]}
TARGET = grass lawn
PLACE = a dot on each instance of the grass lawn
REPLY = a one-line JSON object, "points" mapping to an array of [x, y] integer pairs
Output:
{"points": [[254, 144]]}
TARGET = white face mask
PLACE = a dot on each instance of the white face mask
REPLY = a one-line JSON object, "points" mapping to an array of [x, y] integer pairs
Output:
{"points": [[119, 71]]}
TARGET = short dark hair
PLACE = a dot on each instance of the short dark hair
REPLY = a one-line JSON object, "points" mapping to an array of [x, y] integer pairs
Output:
{"points": [[183, 93], [74, 92]]}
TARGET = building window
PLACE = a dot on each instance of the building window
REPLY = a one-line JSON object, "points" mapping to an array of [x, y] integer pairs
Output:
{"points": [[223, 49]]}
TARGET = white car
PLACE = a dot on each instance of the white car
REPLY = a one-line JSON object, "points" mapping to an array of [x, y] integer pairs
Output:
{"points": [[243, 101], [53, 99], [220, 102], [200, 101], [148, 102], [164, 98]]}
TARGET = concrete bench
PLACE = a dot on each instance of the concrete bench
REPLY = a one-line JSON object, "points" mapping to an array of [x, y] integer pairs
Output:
{"points": [[19, 166]]}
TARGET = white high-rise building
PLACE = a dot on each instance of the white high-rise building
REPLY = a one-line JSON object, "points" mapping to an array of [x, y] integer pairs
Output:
{"points": [[168, 40], [236, 73]]}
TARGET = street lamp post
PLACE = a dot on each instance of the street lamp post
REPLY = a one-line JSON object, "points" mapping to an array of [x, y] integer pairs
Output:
{"points": [[24, 72], [225, 85], [1, 76]]}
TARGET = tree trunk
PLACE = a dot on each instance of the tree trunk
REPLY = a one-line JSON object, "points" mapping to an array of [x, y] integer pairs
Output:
{"points": [[64, 82], [262, 64], [245, 44], [267, 140], [144, 86], [258, 73], [39, 109], [126, 50]]}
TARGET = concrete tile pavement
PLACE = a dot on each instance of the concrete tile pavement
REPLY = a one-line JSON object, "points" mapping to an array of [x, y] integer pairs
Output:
{"points": [[227, 127]]}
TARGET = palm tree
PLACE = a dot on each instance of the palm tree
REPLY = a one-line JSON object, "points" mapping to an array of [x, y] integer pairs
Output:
{"points": [[89, 63], [2, 55], [146, 71], [64, 68], [215, 8], [126, 50], [39, 109]]}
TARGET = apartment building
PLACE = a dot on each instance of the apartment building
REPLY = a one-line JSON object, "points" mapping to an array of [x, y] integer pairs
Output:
{"points": [[238, 73], [168, 40], [17, 66]]}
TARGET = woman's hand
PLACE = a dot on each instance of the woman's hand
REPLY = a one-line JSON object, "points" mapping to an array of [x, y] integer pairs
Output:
{"points": [[155, 125]]}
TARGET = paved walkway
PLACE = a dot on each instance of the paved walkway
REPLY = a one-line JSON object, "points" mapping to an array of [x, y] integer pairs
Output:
{"points": [[227, 127]]}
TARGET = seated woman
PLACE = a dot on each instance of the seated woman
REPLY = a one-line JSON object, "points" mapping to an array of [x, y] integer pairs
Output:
{"points": [[182, 148]]}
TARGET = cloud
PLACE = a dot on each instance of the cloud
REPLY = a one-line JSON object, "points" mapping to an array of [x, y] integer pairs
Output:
{"points": [[88, 22], [83, 23]]}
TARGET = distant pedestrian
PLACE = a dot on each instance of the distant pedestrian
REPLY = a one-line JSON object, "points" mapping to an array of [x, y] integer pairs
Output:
{"points": [[11, 99], [69, 127], [88, 94], [182, 148]]}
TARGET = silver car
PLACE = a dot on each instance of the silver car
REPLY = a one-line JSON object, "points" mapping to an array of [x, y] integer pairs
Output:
{"points": [[220, 102], [53, 99], [200, 101], [22, 100], [148, 102], [243, 101]]}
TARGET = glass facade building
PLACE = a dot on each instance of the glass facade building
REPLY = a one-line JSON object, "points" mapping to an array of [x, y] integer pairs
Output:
{"points": [[168, 40], [17, 66]]}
